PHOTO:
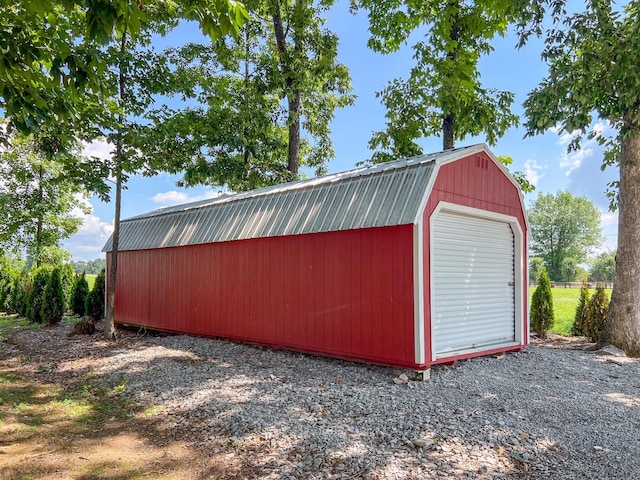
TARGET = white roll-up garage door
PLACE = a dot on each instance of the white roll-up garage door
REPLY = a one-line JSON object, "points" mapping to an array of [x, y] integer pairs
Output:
{"points": [[473, 305]]}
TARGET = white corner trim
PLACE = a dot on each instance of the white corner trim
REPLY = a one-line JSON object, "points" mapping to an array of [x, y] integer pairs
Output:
{"points": [[418, 294]]}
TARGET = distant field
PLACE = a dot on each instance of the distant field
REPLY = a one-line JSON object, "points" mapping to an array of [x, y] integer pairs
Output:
{"points": [[565, 301], [91, 279]]}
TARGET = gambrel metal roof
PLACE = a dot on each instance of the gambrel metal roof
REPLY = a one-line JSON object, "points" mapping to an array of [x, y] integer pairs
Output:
{"points": [[381, 195]]}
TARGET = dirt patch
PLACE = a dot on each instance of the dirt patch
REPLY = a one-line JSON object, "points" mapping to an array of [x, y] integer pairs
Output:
{"points": [[563, 341], [59, 420]]}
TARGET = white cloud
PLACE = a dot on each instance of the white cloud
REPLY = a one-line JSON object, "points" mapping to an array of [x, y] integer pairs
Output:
{"points": [[88, 242], [564, 138], [174, 197], [533, 171], [574, 160], [608, 218], [98, 149]]}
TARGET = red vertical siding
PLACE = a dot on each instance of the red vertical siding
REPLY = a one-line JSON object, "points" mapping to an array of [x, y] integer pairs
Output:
{"points": [[347, 294], [475, 181]]}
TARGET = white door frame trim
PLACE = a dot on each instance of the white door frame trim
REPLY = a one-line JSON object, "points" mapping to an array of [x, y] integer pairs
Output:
{"points": [[519, 263]]}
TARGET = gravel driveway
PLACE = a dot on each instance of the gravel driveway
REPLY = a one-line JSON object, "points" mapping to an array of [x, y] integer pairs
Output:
{"points": [[553, 413]]}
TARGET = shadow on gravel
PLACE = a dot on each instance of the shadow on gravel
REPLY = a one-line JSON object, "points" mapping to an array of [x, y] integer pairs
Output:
{"points": [[269, 413], [252, 412]]}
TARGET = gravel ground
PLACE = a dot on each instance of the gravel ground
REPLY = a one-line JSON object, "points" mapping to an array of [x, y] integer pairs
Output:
{"points": [[553, 413]]}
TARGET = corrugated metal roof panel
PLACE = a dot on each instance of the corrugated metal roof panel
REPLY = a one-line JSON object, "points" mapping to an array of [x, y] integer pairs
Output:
{"points": [[380, 195]]}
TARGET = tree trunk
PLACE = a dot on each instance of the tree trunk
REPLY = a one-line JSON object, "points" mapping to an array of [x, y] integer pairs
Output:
{"points": [[448, 120], [293, 93], [109, 323], [623, 321], [447, 132], [39, 224], [110, 332], [247, 78], [294, 135]]}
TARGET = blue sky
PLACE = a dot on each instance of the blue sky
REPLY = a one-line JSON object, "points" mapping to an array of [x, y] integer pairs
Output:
{"points": [[543, 158]]}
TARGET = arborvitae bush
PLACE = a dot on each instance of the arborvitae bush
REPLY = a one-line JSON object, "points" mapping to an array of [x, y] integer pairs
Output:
{"points": [[19, 294], [8, 294], [68, 282], [52, 307], [94, 306], [22, 299], [578, 319], [541, 314], [36, 296], [79, 294], [5, 291], [596, 314]]}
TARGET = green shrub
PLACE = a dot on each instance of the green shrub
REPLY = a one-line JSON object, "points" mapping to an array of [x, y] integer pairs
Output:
{"points": [[7, 276], [20, 291], [6, 286], [36, 296], [52, 307], [94, 305], [79, 294], [541, 313], [68, 282], [596, 314], [578, 320], [8, 294]]}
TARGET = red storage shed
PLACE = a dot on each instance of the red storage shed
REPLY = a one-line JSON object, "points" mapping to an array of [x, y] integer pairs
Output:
{"points": [[408, 263]]}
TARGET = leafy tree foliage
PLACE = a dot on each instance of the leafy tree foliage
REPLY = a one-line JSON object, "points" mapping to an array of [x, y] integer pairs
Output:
{"points": [[312, 81], [568, 269], [265, 100], [79, 294], [562, 227], [593, 57], [51, 68], [443, 94], [35, 298], [95, 304], [91, 267], [541, 313], [38, 201], [603, 267], [535, 265], [53, 302], [130, 80], [579, 318]]}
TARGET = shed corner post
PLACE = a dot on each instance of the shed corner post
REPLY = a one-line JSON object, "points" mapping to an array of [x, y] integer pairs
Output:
{"points": [[418, 294]]}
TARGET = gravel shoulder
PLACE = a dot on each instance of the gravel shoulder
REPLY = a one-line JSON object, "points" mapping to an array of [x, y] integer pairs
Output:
{"points": [[554, 410]]}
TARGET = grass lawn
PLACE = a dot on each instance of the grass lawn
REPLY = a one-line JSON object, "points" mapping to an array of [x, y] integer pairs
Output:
{"points": [[91, 279], [565, 301]]}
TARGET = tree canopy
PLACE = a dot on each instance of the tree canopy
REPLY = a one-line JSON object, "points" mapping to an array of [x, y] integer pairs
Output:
{"points": [[51, 68], [443, 94], [563, 227], [593, 59], [265, 99], [603, 267], [41, 206]]}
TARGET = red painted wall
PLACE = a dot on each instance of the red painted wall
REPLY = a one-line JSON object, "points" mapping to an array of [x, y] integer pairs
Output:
{"points": [[475, 181], [346, 294]]}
